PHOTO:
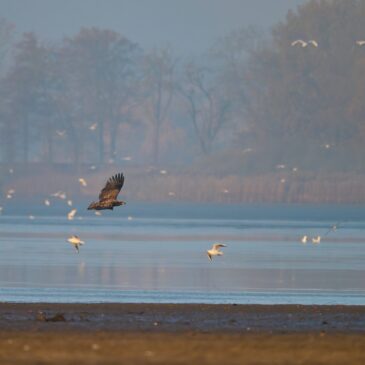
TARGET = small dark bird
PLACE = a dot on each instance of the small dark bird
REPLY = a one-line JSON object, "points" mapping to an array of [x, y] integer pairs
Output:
{"points": [[108, 196]]}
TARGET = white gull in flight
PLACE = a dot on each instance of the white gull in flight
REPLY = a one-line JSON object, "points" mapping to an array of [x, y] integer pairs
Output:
{"points": [[214, 251], [75, 241]]}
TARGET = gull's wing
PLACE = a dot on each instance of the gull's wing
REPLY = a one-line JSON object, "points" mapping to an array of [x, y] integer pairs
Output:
{"points": [[298, 41], [333, 228], [216, 246], [315, 43], [328, 231], [112, 188]]}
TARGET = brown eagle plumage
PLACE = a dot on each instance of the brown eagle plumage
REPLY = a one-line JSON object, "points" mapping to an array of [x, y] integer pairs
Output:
{"points": [[108, 196]]}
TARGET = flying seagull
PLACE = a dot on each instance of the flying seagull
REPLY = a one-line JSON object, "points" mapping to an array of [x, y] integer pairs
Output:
{"points": [[304, 239], [75, 240], [360, 43], [108, 196], [60, 133], [71, 214], [59, 194], [82, 181], [214, 251], [93, 126], [10, 193], [300, 42], [316, 239], [333, 228]]}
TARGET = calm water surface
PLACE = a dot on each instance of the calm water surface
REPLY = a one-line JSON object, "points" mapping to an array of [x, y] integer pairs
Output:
{"points": [[159, 255]]}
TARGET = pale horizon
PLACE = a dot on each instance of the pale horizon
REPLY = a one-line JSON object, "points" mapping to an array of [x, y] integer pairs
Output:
{"points": [[190, 27]]}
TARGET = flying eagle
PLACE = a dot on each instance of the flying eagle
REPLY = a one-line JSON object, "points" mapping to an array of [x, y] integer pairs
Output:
{"points": [[108, 196]]}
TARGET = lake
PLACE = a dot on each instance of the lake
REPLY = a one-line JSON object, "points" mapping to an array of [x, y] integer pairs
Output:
{"points": [[158, 254]]}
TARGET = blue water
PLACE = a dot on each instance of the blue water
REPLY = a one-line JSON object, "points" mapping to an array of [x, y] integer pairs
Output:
{"points": [[159, 255]]}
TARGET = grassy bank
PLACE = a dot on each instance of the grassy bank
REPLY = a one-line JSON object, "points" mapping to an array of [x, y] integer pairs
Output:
{"points": [[146, 184]]}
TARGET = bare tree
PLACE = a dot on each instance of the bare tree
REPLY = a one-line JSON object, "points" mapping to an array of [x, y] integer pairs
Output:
{"points": [[231, 55], [105, 72], [24, 83], [158, 89], [6, 37], [206, 104]]}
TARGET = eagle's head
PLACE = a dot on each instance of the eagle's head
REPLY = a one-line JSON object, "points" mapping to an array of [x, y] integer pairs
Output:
{"points": [[119, 202]]}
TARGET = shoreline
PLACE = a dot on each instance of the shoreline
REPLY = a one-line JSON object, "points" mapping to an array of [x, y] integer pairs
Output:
{"points": [[279, 318], [180, 334]]}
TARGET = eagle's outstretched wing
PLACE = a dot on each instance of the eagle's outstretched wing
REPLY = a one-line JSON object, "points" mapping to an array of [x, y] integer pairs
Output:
{"points": [[112, 188]]}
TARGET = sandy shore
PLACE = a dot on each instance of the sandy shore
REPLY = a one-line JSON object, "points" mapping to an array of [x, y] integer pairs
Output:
{"points": [[178, 334]]}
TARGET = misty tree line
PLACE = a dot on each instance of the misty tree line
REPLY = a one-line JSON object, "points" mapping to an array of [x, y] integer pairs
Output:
{"points": [[70, 101], [251, 102]]}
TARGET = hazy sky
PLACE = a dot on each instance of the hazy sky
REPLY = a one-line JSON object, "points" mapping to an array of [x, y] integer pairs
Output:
{"points": [[188, 25]]}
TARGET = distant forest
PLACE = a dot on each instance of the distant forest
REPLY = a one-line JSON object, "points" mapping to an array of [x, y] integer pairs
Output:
{"points": [[255, 104]]}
